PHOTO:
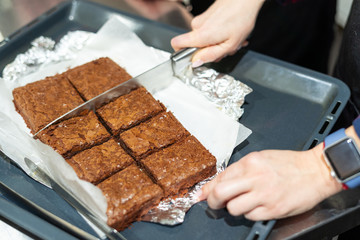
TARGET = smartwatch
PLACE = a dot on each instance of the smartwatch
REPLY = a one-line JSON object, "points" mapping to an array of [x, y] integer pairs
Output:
{"points": [[343, 158]]}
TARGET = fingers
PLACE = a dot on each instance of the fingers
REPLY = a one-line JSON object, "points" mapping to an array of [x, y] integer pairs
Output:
{"points": [[226, 191], [199, 20], [212, 49], [231, 172], [185, 40], [209, 54], [260, 213], [197, 38], [243, 204]]}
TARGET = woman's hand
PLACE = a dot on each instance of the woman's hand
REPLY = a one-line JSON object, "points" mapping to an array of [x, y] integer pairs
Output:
{"points": [[221, 30], [272, 184]]}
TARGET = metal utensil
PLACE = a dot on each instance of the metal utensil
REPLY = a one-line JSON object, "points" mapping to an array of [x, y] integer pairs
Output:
{"points": [[48, 216], [75, 202], [153, 80]]}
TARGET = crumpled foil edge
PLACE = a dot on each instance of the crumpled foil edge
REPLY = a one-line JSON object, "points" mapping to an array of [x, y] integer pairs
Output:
{"points": [[227, 93], [43, 51], [171, 211]]}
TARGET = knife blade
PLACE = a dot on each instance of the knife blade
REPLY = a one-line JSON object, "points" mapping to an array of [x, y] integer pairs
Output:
{"points": [[74, 201], [43, 213], [153, 80]]}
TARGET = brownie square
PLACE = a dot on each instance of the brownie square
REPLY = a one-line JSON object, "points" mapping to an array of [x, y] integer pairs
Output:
{"points": [[94, 78], [130, 194], [99, 162], [129, 110], [75, 134], [158, 132], [181, 165], [43, 101]]}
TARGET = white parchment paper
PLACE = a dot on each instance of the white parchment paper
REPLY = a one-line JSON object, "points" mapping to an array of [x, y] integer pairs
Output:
{"points": [[215, 130]]}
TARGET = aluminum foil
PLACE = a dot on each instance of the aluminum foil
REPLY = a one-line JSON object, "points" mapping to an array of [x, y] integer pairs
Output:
{"points": [[225, 91], [221, 89], [44, 50], [172, 211]]}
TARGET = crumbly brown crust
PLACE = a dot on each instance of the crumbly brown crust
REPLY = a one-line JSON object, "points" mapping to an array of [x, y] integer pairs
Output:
{"points": [[129, 110], [94, 78], [99, 162], [75, 134], [181, 165], [130, 193], [158, 132], [43, 101], [177, 160]]}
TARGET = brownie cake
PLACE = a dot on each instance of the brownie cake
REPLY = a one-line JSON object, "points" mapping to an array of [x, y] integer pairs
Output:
{"points": [[75, 134], [129, 110], [43, 101], [94, 78], [139, 129], [130, 193], [158, 132], [181, 165], [99, 162]]}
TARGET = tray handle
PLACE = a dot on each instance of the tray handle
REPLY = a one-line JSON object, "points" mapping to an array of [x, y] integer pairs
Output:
{"points": [[326, 125], [261, 230]]}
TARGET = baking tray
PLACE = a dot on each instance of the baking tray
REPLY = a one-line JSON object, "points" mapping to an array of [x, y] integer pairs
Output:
{"points": [[290, 108]]}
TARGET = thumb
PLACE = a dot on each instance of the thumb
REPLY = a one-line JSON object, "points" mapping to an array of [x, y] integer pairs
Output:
{"points": [[190, 39]]}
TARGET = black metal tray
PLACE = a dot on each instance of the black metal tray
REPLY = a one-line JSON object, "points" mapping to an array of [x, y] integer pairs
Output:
{"points": [[290, 108]]}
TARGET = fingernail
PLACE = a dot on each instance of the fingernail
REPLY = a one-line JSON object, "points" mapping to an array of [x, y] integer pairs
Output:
{"points": [[197, 63]]}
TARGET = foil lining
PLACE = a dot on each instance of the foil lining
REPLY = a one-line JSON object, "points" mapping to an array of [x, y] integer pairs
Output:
{"points": [[44, 50], [171, 211], [223, 90]]}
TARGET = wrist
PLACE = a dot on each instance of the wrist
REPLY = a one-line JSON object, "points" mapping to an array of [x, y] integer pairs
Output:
{"points": [[350, 131], [328, 185]]}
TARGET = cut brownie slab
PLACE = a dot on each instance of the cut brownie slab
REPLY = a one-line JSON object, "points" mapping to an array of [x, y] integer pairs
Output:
{"points": [[75, 134], [43, 101], [158, 132], [181, 165], [94, 78], [130, 193], [129, 110], [99, 162]]}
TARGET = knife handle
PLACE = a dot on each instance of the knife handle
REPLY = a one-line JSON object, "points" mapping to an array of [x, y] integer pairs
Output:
{"points": [[183, 53], [181, 60]]}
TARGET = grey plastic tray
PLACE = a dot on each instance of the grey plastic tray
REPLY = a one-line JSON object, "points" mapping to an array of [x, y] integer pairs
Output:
{"points": [[290, 108]]}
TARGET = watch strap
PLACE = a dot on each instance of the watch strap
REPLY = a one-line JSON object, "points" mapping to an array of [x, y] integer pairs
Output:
{"points": [[356, 124], [335, 136], [353, 183]]}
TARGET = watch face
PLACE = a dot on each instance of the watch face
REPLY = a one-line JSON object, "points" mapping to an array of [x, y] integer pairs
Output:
{"points": [[344, 158]]}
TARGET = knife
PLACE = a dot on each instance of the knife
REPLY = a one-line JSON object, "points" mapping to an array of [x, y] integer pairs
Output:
{"points": [[153, 80], [43, 213], [74, 201]]}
